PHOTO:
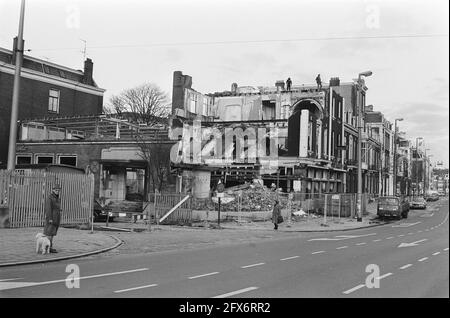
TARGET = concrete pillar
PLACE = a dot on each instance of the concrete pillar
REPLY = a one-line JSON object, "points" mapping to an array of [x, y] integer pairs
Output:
{"points": [[303, 146]]}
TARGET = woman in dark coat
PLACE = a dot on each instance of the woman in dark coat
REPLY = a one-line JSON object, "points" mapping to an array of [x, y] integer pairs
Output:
{"points": [[52, 215], [276, 212]]}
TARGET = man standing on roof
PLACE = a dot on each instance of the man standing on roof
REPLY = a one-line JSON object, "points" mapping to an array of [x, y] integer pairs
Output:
{"points": [[319, 82], [288, 84]]}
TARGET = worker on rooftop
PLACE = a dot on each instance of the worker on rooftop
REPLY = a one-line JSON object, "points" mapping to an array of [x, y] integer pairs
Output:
{"points": [[319, 82], [288, 84]]}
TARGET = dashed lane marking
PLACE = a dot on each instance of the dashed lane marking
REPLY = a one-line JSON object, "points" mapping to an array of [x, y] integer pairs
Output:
{"points": [[318, 252], [363, 243], [376, 240], [390, 237], [252, 265], [203, 275], [423, 259], [341, 247], [383, 276], [406, 266], [240, 291], [288, 258], [351, 290], [437, 253], [134, 288]]}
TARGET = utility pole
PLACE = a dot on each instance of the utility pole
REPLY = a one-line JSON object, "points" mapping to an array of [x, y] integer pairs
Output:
{"points": [[395, 155], [359, 113], [16, 92], [416, 188]]}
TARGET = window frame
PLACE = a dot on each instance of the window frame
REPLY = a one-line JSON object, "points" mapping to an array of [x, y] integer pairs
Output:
{"points": [[51, 101]]}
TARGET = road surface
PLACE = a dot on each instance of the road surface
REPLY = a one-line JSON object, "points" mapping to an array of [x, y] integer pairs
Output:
{"points": [[406, 258]]}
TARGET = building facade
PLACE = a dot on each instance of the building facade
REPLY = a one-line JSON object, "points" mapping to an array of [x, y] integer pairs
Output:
{"points": [[46, 90]]}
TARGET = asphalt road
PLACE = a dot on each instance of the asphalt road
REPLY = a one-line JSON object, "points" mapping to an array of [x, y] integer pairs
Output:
{"points": [[407, 258]]}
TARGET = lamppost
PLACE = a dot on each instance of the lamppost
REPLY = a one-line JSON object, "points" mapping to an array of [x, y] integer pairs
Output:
{"points": [[360, 106], [16, 93], [416, 188], [425, 172], [395, 155]]}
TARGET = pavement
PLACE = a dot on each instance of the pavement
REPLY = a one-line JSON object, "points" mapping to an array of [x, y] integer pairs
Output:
{"points": [[19, 244]]}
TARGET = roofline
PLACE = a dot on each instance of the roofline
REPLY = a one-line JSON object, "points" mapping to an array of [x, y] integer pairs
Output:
{"points": [[45, 62]]}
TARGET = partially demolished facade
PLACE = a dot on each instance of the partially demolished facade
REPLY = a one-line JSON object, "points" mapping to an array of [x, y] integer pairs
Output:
{"points": [[302, 140]]}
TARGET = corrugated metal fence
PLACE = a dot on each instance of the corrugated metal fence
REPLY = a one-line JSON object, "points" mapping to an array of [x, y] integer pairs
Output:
{"points": [[24, 194]]}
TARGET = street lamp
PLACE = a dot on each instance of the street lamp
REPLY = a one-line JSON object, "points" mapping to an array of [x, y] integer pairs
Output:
{"points": [[416, 188], [359, 195], [395, 154], [425, 175]]}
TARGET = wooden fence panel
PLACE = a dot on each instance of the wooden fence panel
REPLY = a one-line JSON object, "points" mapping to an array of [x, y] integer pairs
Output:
{"points": [[165, 202]]}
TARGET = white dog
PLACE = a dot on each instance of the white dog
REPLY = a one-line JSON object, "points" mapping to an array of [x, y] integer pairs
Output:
{"points": [[42, 243]]}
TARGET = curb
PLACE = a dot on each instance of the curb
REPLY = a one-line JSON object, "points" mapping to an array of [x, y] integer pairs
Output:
{"points": [[320, 231], [55, 259]]}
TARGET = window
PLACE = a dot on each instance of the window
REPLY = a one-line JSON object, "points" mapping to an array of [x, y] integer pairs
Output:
{"points": [[53, 101], [44, 159], [24, 159], [70, 160]]}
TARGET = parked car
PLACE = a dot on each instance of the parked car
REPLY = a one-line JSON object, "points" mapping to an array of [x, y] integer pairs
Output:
{"points": [[391, 206], [418, 203], [433, 196]]}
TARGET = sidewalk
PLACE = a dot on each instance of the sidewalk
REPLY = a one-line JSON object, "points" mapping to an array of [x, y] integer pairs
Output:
{"points": [[19, 245]]}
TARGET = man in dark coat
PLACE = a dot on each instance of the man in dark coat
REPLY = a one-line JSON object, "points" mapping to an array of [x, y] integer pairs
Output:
{"points": [[288, 84], [276, 212], [52, 215], [319, 82]]}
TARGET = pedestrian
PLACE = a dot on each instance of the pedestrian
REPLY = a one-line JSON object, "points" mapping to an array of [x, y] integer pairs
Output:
{"points": [[52, 215], [288, 84], [319, 82], [276, 214]]}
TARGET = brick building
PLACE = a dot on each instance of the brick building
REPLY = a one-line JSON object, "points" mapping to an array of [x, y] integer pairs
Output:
{"points": [[47, 90]]}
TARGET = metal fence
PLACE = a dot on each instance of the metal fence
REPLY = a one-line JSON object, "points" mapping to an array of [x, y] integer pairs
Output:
{"points": [[23, 195], [331, 204]]}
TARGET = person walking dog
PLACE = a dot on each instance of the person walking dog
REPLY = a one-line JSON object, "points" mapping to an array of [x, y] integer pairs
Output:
{"points": [[276, 215], [52, 215]]}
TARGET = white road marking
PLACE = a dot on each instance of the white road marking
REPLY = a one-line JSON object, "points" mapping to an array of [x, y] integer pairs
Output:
{"points": [[446, 249], [135, 288], [411, 244], [9, 279], [406, 266], [292, 257], [240, 291], [203, 275], [363, 243], [390, 237], [339, 248], [376, 240], [340, 237], [383, 276], [406, 224], [351, 290], [318, 252], [437, 253], [423, 259], [6, 285], [400, 235], [252, 265]]}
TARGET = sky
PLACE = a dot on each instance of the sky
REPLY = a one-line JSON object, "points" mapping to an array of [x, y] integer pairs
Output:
{"points": [[404, 43]]}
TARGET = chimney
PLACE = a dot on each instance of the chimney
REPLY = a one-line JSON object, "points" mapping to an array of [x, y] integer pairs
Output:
{"points": [[234, 88], [88, 70], [335, 81], [280, 85], [180, 82]]}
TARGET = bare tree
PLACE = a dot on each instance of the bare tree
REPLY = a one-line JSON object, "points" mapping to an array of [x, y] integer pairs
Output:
{"points": [[145, 104]]}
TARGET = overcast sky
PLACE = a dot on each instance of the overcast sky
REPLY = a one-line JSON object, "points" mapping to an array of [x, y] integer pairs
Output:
{"points": [[404, 43]]}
